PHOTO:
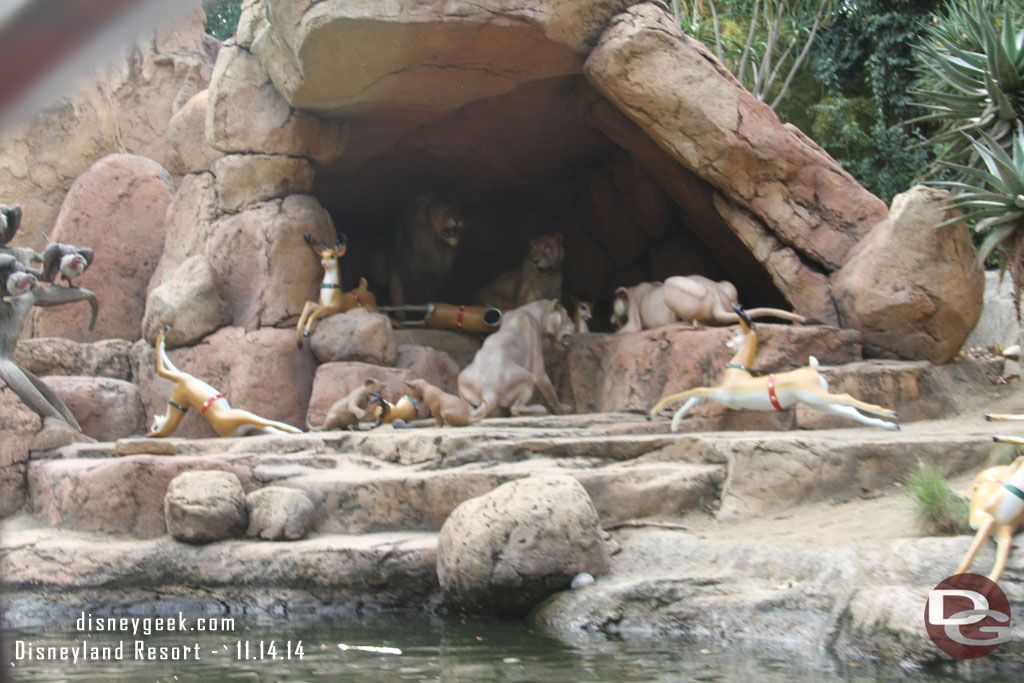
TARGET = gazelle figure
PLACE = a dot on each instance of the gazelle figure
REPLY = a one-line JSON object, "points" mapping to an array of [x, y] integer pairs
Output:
{"points": [[191, 392], [332, 298], [584, 311], [997, 509], [740, 388]]}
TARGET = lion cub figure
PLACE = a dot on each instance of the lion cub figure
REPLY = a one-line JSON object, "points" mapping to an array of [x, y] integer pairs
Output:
{"points": [[350, 410], [539, 276]]}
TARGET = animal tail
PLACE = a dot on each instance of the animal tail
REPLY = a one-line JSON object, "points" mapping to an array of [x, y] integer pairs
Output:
{"points": [[474, 418], [813, 364], [765, 312], [475, 412]]}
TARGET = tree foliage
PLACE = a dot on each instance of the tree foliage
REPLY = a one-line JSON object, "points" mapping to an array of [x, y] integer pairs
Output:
{"points": [[864, 62], [841, 71], [222, 17], [763, 42], [972, 79]]}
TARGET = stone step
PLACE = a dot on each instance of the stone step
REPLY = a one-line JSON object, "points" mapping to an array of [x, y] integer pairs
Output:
{"points": [[352, 494], [355, 502], [48, 572], [85, 487]]}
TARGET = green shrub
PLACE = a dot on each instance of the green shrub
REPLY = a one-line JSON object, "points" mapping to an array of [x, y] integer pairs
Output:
{"points": [[939, 509]]}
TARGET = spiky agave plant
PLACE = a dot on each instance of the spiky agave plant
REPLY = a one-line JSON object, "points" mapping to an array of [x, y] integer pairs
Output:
{"points": [[994, 197], [972, 77]]}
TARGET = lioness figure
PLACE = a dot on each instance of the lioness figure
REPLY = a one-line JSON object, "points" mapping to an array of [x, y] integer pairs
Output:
{"points": [[424, 249], [691, 298], [539, 276], [510, 364]]}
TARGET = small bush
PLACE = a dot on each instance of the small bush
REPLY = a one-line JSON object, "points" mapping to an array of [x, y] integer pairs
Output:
{"points": [[222, 17], [939, 510]]}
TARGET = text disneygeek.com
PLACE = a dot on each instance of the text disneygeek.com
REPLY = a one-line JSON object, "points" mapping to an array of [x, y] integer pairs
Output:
{"points": [[26, 651]]}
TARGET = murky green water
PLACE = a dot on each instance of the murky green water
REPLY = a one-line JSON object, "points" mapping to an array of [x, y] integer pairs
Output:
{"points": [[391, 648]]}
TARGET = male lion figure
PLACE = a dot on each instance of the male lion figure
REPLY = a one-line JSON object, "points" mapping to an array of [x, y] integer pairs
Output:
{"points": [[510, 364], [424, 247], [691, 298]]}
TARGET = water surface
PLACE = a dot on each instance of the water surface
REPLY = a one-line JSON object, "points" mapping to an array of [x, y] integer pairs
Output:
{"points": [[395, 648]]}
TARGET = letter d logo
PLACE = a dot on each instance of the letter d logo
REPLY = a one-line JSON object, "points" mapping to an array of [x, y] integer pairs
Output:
{"points": [[967, 616]]}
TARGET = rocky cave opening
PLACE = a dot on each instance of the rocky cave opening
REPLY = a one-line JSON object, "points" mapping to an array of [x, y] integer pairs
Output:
{"points": [[549, 156]]}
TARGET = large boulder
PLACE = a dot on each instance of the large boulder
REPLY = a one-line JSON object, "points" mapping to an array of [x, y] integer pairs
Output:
{"points": [[117, 208], [244, 179], [205, 506], [356, 335], [460, 347], [911, 290], [259, 371], [189, 151], [470, 50], [106, 409], [265, 270], [279, 513], [188, 302], [437, 367], [189, 224], [505, 551], [266, 124], [57, 356]]}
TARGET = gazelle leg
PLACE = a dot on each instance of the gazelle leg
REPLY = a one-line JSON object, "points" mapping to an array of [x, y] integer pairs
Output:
{"points": [[306, 310], [678, 417], [1004, 541], [844, 399], [984, 531], [320, 312], [669, 400], [853, 414]]}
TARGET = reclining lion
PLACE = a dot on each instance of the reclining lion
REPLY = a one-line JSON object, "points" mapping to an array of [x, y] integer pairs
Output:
{"points": [[510, 364], [691, 298]]}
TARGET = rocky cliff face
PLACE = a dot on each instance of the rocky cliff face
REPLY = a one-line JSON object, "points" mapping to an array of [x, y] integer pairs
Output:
{"points": [[597, 119]]}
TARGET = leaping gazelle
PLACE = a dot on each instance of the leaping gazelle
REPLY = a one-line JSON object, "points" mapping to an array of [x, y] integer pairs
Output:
{"points": [[740, 388]]}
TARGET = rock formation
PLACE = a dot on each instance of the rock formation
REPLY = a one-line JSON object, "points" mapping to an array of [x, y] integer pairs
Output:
{"points": [[116, 207], [505, 551], [911, 290], [279, 513], [205, 506]]}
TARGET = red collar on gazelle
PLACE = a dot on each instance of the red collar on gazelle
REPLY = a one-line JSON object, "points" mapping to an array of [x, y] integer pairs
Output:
{"points": [[209, 402], [771, 392]]}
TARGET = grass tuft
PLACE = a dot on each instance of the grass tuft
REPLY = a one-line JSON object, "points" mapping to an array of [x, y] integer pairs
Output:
{"points": [[939, 510]]}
